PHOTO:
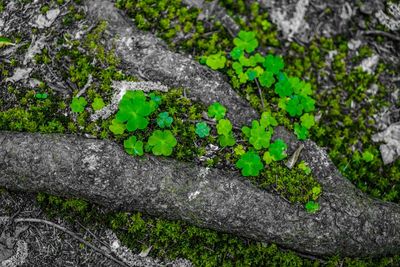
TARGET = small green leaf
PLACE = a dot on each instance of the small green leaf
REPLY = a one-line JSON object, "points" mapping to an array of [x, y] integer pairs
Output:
{"points": [[117, 127], [239, 150], [236, 53], [283, 88], [250, 164], [267, 79], [216, 61], [267, 119], [312, 206], [224, 127], [246, 131], [259, 137], [246, 41], [164, 120], [134, 109], [98, 103], [133, 147], [307, 120], [273, 64], [267, 157], [237, 67], [277, 150], [226, 140], [293, 106], [217, 111], [202, 129], [304, 166], [78, 104], [155, 98], [162, 142], [367, 156], [300, 131], [251, 74]]}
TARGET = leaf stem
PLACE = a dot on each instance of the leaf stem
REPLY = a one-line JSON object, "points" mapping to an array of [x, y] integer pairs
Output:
{"points": [[260, 93]]}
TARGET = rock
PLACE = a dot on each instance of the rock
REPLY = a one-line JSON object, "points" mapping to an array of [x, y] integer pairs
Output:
{"points": [[391, 136]]}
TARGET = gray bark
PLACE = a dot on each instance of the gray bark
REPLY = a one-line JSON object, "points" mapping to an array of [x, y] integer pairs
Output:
{"points": [[349, 222]]}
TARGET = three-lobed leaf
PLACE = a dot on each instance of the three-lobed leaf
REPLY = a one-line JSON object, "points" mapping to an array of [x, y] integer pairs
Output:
{"points": [[216, 61], [250, 164], [133, 146], [117, 127], [246, 41], [216, 110], [162, 142], [164, 120], [78, 104], [277, 149], [202, 129], [98, 103]]}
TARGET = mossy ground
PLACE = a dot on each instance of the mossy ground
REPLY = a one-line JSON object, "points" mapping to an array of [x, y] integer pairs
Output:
{"points": [[345, 125]]}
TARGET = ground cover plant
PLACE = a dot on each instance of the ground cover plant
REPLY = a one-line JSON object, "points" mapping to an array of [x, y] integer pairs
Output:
{"points": [[171, 125]]}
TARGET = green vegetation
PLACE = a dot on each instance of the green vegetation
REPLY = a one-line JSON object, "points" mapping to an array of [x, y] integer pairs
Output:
{"points": [[345, 127]]}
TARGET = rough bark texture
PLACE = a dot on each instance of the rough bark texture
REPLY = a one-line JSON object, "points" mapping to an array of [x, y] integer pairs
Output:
{"points": [[349, 223]]}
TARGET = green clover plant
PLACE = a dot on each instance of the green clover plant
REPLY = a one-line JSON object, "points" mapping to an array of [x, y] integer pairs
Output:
{"points": [[217, 111], [98, 103], [202, 129], [312, 206], [216, 61], [162, 142], [133, 147], [250, 164], [277, 149], [78, 104], [135, 109], [246, 41], [164, 120]]}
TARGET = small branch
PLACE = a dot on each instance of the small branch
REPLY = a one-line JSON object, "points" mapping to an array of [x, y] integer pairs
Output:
{"points": [[386, 34], [59, 227]]}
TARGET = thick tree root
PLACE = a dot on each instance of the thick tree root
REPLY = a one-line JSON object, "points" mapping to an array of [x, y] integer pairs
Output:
{"points": [[349, 222]]}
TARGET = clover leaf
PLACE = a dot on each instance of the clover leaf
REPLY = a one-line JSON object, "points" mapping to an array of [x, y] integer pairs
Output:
{"points": [[202, 129], [247, 62], [217, 111], [246, 41], [277, 149], [78, 104], [239, 150], [250, 164], [267, 119], [259, 137], [237, 67], [226, 140], [98, 103], [164, 120], [266, 79], [162, 142], [312, 206], [246, 131], [236, 53], [293, 106], [300, 131], [283, 88], [134, 109], [267, 157], [251, 74], [133, 147], [216, 61], [304, 166], [224, 127], [155, 98], [243, 78], [307, 103], [273, 64], [117, 127], [307, 120]]}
